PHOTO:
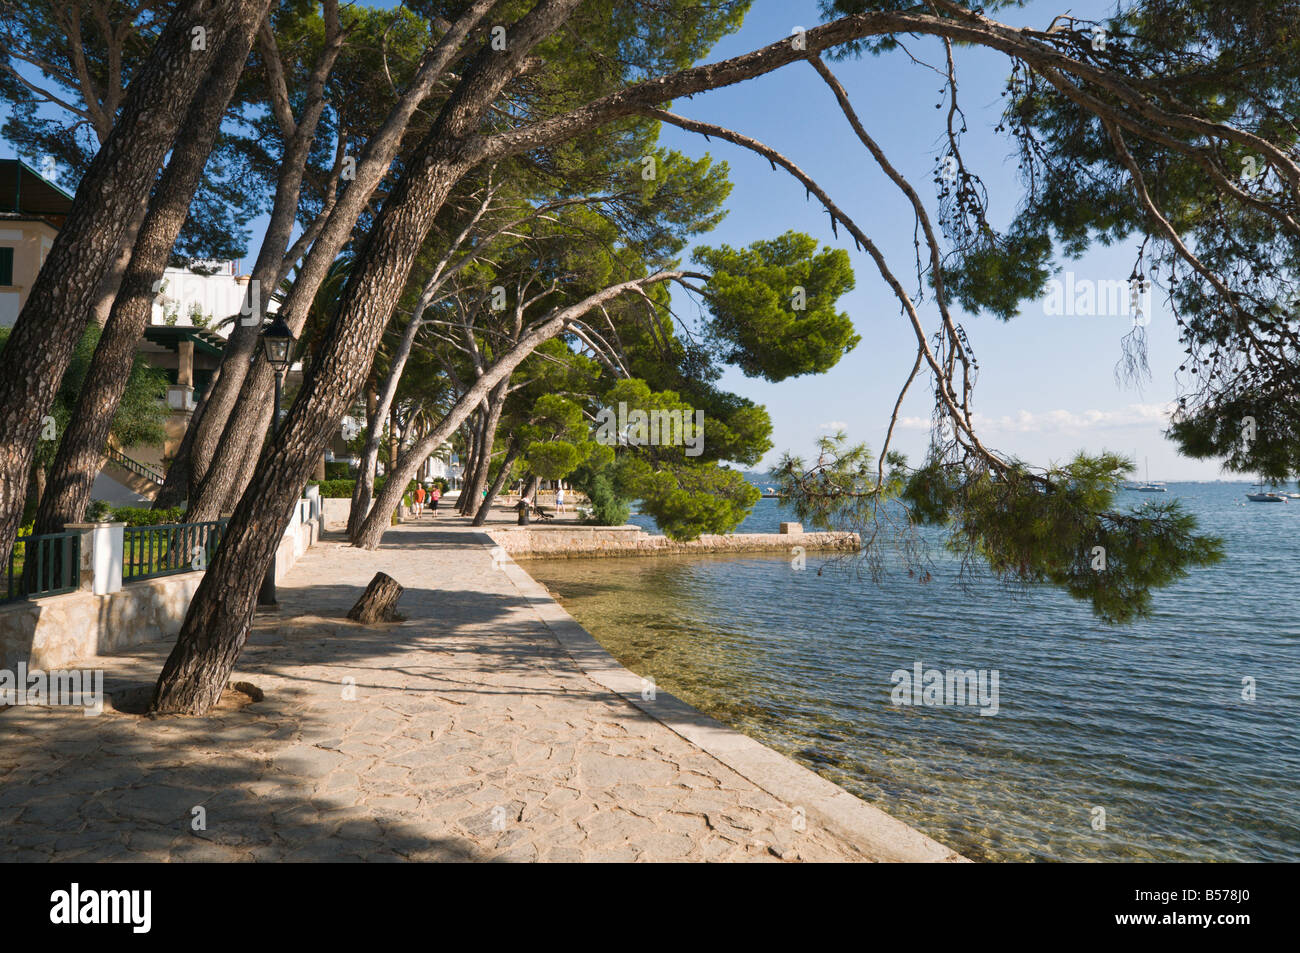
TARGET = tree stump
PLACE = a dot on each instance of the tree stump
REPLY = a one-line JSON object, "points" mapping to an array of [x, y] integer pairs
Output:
{"points": [[378, 602]]}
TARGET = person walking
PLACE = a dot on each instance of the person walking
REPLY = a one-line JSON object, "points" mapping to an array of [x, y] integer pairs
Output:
{"points": [[419, 500], [434, 495], [559, 499]]}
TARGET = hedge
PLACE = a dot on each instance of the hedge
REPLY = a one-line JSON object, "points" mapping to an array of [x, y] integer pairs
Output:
{"points": [[136, 515], [342, 489], [337, 489]]}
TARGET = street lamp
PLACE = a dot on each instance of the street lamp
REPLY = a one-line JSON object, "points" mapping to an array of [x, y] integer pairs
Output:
{"points": [[277, 347]]}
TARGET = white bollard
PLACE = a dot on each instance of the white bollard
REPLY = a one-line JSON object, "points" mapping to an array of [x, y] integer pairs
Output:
{"points": [[101, 555]]}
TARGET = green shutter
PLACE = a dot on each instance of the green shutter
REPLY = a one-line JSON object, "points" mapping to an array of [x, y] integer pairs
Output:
{"points": [[6, 266]]}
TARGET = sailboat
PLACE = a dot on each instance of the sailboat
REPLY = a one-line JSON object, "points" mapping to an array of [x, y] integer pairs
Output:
{"points": [[1148, 486], [1262, 496]]}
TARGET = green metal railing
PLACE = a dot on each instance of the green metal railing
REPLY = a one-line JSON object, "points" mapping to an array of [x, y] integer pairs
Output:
{"points": [[43, 566], [167, 549]]}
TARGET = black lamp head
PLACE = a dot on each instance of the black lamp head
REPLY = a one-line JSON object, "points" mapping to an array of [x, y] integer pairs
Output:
{"points": [[277, 343]]}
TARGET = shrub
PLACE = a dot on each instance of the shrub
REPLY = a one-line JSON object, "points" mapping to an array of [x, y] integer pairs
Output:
{"points": [[143, 516], [337, 489], [337, 470], [342, 489], [607, 507]]}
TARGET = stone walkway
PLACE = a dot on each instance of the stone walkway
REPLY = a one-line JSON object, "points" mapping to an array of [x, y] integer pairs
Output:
{"points": [[465, 732]]}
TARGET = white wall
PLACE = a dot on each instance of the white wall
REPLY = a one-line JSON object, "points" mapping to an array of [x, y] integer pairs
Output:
{"points": [[219, 296], [8, 308]]}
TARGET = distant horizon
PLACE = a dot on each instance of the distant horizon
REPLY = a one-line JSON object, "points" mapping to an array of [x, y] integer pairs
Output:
{"points": [[767, 477]]}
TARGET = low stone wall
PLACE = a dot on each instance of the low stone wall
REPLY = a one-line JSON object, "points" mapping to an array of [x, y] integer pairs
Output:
{"points": [[297, 540], [523, 542], [50, 632], [335, 512]]}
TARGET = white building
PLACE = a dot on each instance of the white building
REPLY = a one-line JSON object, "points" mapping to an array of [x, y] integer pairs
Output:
{"points": [[208, 294], [439, 467]]}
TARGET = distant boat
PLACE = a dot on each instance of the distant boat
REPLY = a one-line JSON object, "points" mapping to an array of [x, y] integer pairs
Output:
{"points": [[1148, 486], [769, 493], [1265, 496]]}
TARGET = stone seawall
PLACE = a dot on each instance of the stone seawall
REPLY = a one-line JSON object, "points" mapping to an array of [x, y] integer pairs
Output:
{"points": [[523, 542]]}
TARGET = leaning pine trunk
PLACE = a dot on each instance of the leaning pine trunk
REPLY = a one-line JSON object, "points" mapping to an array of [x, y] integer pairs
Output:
{"points": [[506, 465], [240, 391], [372, 531], [471, 462], [364, 489], [491, 416], [217, 623], [79, 456], [272, 264], [240, 444], [394, 439], [495, 404], [108, 197], [221, 611], [246, 466]]}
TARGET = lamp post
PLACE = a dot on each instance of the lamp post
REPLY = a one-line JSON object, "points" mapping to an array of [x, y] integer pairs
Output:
{"points": [[277, 346]]}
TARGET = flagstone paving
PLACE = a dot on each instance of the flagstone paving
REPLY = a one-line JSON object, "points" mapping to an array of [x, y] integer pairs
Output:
{"points": [[463, 733]]}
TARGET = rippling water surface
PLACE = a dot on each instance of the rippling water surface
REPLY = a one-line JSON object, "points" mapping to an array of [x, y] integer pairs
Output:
{"points": [[1146, 721]]}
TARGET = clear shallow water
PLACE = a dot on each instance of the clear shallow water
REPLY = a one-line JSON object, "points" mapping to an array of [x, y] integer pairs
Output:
{"points": [[1145, 721]]}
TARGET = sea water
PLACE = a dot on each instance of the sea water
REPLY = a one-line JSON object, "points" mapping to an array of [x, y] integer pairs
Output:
{"points": [[1173, 738]]}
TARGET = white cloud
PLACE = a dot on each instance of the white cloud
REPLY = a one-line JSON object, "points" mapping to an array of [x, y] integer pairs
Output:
{"points": [[833, 426], [1060, 421], [913, 423]]}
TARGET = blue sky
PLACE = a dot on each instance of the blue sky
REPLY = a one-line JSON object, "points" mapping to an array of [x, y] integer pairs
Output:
{"points": [[1047, 386]]}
